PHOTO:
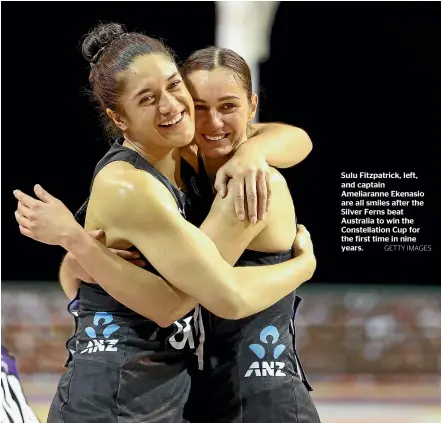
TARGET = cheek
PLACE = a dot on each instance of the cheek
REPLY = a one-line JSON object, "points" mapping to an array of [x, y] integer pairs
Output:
{"points": [[200, 120], [236, 122], [145, 117], [186, 99]]}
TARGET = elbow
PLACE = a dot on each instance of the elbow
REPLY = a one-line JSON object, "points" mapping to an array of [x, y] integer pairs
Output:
{"points": [[229, 311], [172, 316], [234, 306], [167, 319], [164, 322], [301, 147], [160, 318]]}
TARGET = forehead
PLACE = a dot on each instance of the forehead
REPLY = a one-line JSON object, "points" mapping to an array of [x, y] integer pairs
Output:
{"points": [[149, 70], [215, 83]]}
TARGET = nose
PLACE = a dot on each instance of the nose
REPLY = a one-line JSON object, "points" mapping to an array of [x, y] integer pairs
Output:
{"points": [[215, 120], [168, 104]]}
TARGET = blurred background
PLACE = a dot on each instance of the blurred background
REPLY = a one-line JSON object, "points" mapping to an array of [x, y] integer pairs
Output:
{"points": [[361, 78]]}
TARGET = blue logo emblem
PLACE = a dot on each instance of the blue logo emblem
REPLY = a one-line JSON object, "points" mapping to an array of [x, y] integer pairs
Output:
{"points": [[269, 331], [269, 336], [101, 320], [108, 330]]}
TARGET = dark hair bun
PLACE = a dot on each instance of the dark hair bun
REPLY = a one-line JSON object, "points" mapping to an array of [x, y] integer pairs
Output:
{"points": [[98, 38]]}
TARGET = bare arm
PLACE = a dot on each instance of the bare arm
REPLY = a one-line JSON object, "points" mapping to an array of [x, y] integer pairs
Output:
{"points": [[282, 145], [269, 144], [163, 236], [72, 273], [181, 253], [231, 238], [69, 283]]}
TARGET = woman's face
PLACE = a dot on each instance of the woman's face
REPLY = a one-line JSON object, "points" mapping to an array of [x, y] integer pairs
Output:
{"points": [[156, 108], [222, 110]]}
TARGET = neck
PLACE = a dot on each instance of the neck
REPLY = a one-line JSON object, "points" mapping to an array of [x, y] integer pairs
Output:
{"points": [[165, 160], [213, 165]]}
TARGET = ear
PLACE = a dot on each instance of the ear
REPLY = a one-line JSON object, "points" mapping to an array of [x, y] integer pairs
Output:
{"points": [[118, 119], [253, 106]]}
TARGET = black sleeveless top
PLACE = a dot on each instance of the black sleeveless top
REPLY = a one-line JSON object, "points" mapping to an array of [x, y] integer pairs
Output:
{"points": [[241, 357], [180, 337]]}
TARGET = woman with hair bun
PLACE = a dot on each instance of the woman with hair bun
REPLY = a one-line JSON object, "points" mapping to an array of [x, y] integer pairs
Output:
{"points": [[137, 330]]}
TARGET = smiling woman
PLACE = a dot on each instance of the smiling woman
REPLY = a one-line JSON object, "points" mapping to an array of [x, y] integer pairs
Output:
{"points": [[132, 74], [219, 81], [136, 333]]}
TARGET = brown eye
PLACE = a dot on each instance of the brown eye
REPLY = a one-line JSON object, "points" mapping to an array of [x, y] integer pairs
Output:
{"points": [[174, 84], [228, 106], [146, 99], [199, 107]]}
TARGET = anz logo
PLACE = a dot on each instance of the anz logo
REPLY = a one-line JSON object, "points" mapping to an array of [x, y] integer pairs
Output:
{"points": [[101, 320], [267, 368]]}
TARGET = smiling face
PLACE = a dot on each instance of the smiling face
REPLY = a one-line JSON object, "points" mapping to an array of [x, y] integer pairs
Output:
{"points": [[155, 108], [223, 110]]}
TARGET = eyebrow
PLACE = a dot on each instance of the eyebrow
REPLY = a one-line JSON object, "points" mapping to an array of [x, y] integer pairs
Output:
{"points": [[227, 97], [144, 90]]}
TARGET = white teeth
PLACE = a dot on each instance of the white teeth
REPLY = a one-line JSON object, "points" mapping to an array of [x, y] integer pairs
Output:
{"points": [[176, 119], [219, 137]]}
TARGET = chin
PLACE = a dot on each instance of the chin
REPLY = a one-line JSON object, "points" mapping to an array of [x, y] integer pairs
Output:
{"points": [[217, 149], [187, 137], [177, 142], [181, 138], [216, 152]]}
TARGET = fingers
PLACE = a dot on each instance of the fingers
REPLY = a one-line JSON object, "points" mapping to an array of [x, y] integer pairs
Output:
{"points": [[42, 194], [23, 225], [131, 256], [25, 199], [220, 185], [302, 241], [301, 229], [268, 191], [25, 231], [303, 245], [22, 220], [96, 233], [262, 194], [302, 235], [23, 210], [251, 190], [125, 254], [139, 263], [258, 193], [22, 214], [239, 205]]}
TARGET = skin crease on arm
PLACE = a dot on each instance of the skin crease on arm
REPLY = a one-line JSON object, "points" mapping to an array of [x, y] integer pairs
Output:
{"points": [[179, 251]]}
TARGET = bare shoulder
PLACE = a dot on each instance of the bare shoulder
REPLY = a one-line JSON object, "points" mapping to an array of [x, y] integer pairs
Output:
{"points": [[120, 176], [277, 179], [120, 190], [281, 199], [280, 228]]}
